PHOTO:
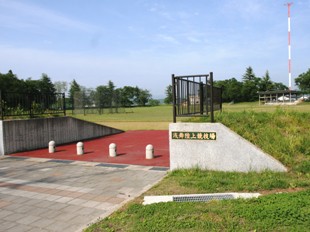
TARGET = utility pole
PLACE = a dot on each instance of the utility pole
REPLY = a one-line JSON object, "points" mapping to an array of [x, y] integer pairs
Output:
{"points": [[289, 45]]}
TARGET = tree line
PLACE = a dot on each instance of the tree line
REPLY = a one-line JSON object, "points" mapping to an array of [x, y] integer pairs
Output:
{"points": [[102, 96], [303, 81], [9, 83], [107, 96], [247, 89], [110, 96]]}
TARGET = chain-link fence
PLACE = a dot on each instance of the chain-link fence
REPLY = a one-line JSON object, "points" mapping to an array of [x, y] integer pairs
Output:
{"points": [[84, 103]]}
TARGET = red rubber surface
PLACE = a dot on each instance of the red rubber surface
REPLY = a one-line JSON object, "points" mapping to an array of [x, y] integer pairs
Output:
{"points": [[130, 149]]}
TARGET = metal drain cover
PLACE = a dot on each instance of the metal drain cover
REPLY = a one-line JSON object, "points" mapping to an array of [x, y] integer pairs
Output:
{"points": [[202, 198], [197, 197]]}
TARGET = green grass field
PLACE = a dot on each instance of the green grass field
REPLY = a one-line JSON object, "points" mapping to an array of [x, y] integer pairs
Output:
{"points": [[159, 117], [136, 118], [283, 132], [254, 106]]}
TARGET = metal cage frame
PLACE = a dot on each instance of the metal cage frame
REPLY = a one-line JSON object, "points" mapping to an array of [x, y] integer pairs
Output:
{"points": [[195, 95]]}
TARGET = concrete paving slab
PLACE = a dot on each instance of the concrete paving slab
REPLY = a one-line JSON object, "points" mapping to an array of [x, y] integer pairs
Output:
{"points": [[38, 195]]}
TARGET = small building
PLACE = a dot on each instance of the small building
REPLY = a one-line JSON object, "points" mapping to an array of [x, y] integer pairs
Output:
{"points": [[194, 99], [281, 97]]}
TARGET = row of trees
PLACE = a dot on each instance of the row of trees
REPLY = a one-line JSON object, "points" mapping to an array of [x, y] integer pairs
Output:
{"points": [[110, 96], [10, 83], [102, 96], [303, 81], [247, 89], [28, 97], [107, 96], [241, 91]]}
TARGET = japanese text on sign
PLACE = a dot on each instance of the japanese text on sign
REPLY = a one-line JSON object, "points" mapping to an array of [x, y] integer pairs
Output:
{"points": [[194, 135]]}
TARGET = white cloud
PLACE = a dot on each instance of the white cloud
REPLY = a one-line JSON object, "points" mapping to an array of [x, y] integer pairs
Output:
{"points": [[193, 39], [243, 8], [29, 15], [168, 38], [183, 15], [161, 11]]}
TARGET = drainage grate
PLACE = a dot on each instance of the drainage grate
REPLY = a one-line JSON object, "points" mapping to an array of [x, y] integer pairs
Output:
{"points": [[60, 161], [112, 165], [16, 158], [202, 198], [159, 169], [197, 197]]}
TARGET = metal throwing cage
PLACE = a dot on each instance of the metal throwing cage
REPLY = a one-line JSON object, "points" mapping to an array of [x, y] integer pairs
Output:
{"points": [[195, 95]]}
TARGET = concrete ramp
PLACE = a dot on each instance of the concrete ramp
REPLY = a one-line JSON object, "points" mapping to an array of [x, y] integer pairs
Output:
{"points": [[213, 146], [30, 134]]}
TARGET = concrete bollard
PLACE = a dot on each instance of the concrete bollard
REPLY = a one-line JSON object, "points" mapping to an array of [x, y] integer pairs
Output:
{"points": [[149, 151], [112, 150], [79, 148], [51, 147]]}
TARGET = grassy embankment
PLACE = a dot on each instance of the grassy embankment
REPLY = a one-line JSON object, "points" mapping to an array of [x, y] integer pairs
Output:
{"points": [[282, 132]]}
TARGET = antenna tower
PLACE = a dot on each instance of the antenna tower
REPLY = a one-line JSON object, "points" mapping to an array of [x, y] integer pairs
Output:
{"points": [[289, 45]]}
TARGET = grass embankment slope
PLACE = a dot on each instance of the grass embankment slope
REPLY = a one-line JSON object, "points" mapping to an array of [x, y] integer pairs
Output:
{"points": [[282, 132]]}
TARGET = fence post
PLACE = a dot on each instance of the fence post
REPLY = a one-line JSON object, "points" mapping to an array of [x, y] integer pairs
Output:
{"points": [[221, 99], [201, 97], [30, 105], [64, 103], [207, 92], [72, 105], [187, 95], [211, 96], [1, 108], [173, 99]]}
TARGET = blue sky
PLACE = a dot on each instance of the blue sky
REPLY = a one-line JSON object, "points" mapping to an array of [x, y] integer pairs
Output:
{"points": [[140, 42]]}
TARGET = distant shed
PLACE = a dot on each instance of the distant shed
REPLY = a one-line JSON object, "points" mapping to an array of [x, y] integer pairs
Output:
{"points": [[288, 97]]}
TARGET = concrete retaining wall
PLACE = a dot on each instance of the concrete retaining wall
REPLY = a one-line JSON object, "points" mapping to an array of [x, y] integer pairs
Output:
{"points": [[22, 135], [229, 152]]}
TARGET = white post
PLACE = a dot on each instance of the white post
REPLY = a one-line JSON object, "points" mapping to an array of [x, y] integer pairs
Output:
{"points": [[79, 148], [112, 150], [149, 151], [51, 147]]}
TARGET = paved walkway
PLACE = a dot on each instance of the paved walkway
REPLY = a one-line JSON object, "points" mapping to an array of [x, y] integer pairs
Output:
{"points": [[62, 195]]}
